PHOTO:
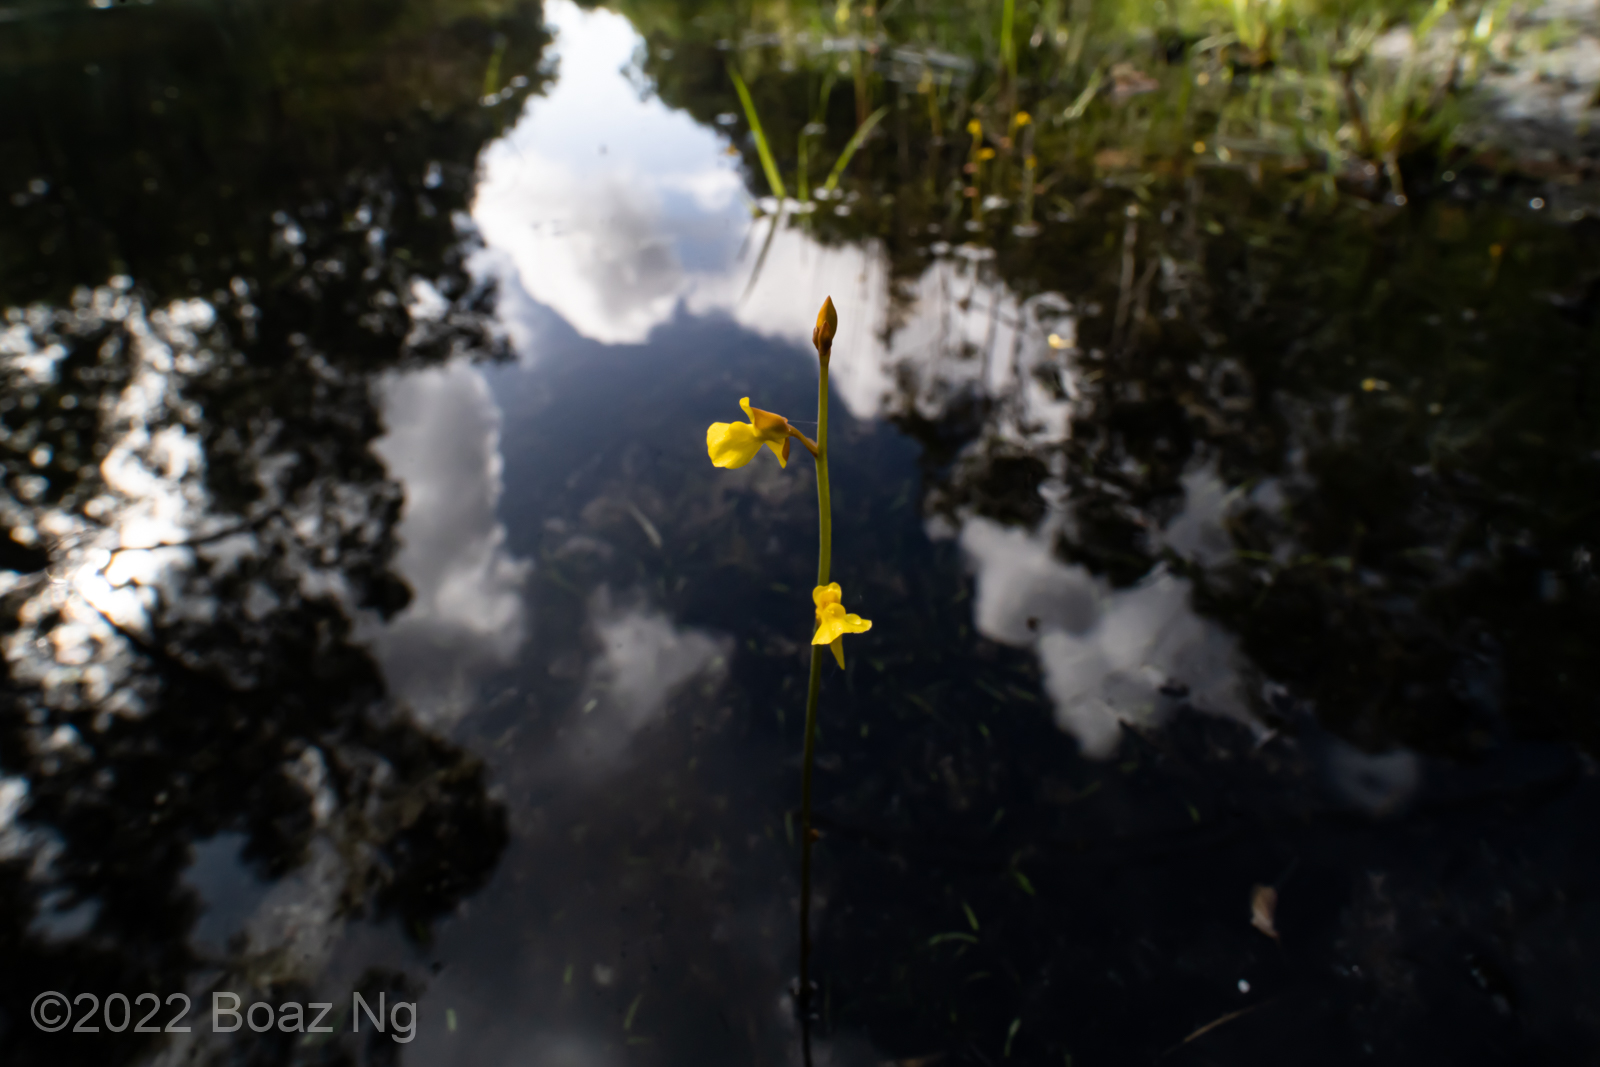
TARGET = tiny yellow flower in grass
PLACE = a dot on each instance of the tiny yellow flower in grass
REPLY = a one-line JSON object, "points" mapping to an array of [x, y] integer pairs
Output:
{"points": [[1022, 119], [833, 622], [975, 127], [986, 154], [733, 444]]}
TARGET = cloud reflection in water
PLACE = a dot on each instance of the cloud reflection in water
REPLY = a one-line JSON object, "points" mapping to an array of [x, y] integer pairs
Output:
{"points": [[1109, 655], [467, 611], [644, 660], [598, 198]]}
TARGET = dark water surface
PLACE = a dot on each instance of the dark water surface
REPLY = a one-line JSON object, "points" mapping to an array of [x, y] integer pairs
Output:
{"points": [[373, 620]]}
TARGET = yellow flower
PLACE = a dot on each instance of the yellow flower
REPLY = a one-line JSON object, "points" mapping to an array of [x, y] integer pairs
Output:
{"points": [[735, 444], [975, 127], [1022, 118], [986, 154], [833, 622]]}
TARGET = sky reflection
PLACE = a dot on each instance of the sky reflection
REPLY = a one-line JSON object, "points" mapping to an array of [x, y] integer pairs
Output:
{"points": [[608, 204], [467, 611]]}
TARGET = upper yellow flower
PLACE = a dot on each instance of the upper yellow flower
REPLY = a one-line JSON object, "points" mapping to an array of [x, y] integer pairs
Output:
{"points": [[833, 622], [733, 444]]}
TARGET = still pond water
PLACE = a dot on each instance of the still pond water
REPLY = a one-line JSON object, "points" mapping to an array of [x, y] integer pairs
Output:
{"points": [[1221, 534]]}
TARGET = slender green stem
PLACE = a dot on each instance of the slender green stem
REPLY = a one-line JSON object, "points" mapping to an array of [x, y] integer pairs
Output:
{"points": [[1008, 48], [824, 500], [813, 691]]}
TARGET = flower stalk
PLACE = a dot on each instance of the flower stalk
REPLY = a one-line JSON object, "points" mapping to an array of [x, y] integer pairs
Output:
{"points": [[822, 338], [732, 445]]}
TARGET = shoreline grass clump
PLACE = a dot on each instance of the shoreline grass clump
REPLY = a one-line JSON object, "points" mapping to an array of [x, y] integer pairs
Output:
{"points": [[1355, 95]]}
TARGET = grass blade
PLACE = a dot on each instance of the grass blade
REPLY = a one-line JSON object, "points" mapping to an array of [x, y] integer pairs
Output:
{"points": [[850, 149], [768, 164], [939, 939], [1008, 49], [755, 274], [1080, 105]]}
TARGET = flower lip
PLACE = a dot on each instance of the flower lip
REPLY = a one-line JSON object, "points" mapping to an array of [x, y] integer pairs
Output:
{"points": [[733, 444], [833, 622]]}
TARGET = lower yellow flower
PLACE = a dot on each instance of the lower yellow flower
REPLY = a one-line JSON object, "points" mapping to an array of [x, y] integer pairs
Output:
{"points": [[833, 622], [733, 444]]}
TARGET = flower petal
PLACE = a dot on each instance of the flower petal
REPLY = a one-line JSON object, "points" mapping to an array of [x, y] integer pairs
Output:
{"points": [[855, 624], [832, 622], [828, 628], [731, 444]]}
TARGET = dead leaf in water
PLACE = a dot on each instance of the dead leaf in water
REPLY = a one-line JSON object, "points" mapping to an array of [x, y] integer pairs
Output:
{"points": [[1263, 906], [1115, 159], [1128, 81]]}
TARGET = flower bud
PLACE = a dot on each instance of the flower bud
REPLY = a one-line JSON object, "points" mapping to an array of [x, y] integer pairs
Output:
{"points": [[827, 326]]}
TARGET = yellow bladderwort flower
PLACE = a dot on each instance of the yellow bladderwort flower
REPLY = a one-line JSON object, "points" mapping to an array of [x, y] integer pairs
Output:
{"points": [[733, 444], [833, 622]]}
